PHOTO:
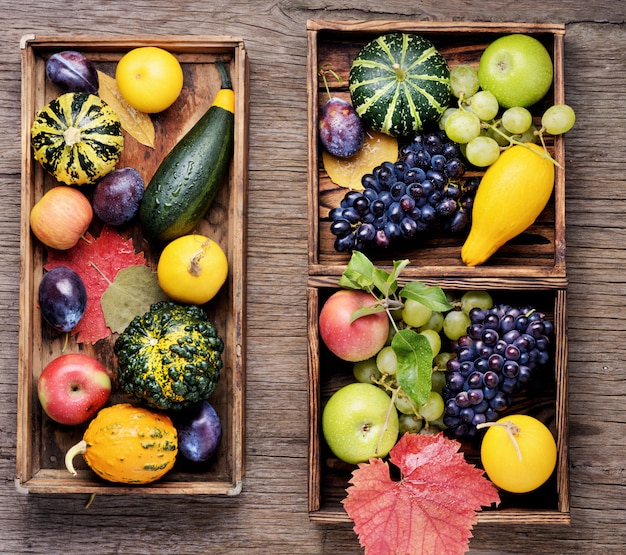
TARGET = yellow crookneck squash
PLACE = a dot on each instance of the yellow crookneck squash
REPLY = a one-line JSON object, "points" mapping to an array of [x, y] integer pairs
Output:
{"points": [[513, 192]]}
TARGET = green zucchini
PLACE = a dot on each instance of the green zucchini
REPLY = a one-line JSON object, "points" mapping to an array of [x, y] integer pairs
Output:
{"points": [[187, 180]]}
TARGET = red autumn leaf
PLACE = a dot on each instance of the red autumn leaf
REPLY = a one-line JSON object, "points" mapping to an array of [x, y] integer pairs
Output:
{"points": [[110, 253], [432, 508]]}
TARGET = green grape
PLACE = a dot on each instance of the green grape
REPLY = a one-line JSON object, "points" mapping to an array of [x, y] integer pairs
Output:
{"points": [[432, 409], [482, 151], [409, 423], [434, 339], [366, 371], [485, 105], [517, 120], [476, 299], [435, 322], [455, 324], [463, 81], [440, 362], [502, 138], [462, 126], [387, 361], [558, 119], [438, 381], [444, 117], [415, 314], [404, 404], [529, 136]]}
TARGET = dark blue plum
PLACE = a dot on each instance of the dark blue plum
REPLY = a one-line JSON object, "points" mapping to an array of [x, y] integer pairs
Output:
{"points": [[340, 129], [117, 196], [199, 432], [62, 298], [72, 72]]}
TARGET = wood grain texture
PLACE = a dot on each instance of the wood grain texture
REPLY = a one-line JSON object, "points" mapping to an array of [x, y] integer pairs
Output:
{"points": [[271, 512]]}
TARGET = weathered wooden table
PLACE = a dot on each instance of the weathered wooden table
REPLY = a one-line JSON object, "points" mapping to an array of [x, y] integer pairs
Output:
{"points": [[271, 512]]}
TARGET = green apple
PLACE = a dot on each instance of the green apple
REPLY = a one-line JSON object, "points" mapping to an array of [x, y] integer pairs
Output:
{"points": [[358, 423], [517, 69]]}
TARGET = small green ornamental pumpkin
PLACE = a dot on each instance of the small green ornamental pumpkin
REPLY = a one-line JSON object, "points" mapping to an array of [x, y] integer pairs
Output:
{"points": [[77, 138], [399, 83], [169, 358]]}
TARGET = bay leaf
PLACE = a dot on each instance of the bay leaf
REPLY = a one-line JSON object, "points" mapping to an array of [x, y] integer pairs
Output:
{"points": [[131, 294], [138, 124]]}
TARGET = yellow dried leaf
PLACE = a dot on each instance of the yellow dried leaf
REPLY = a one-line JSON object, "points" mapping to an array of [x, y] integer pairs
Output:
{"points": [[347, 172], [137, 124]]}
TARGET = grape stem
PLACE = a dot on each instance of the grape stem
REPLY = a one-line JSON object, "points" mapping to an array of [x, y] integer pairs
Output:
{"points": [[494, 126], [511, 429], [394, 394]]}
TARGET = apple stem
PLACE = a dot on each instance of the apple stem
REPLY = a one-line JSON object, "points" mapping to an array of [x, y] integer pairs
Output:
{"points": [[79, 449], [85, 239], [90, 500], [511, 429], [67, 339]]}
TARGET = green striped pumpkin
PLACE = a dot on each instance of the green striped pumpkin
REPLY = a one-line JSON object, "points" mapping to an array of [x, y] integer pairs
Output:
{"points": [[399, 83], [77, 138]]}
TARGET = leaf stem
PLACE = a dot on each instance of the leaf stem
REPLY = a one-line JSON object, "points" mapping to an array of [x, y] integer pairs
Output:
{"points": [[100, 272]]}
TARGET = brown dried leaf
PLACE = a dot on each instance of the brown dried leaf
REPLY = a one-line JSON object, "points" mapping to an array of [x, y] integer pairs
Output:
{"points": [[137, 124], [347, 172]]}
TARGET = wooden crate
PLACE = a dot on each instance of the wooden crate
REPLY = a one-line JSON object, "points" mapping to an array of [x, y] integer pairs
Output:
{"points": [[531, 266], [41, 444], [328, 476], [537, 253]]}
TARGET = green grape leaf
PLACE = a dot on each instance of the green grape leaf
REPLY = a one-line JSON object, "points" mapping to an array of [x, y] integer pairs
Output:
{"points": [[360, 273], [366, 311], [431, 296], [415, 363], [131, 293]]}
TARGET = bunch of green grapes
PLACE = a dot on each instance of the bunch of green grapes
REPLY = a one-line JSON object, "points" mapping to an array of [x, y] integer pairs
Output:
{"points": [[440, 330], [480, 127]]}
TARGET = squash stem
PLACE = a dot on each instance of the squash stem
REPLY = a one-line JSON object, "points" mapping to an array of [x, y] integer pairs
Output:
{"points": [[79, 449], [400, 73], [511, 429], [226, 82]]}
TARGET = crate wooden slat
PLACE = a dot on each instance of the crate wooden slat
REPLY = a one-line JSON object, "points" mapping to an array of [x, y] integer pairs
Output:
{"points": [[538, 252], [41, 443], [531, 266]]}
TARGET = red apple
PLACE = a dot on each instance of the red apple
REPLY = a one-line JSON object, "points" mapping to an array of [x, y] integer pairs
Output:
{"points": [[60, 217], [360, 339], [73, 387]]}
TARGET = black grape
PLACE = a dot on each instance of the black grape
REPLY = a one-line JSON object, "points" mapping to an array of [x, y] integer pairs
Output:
{"points": [[404, 199], [492, 363]]}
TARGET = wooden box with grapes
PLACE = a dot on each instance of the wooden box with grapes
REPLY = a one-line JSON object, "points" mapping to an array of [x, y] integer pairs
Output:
{"points": [[524, 278], [207, 64], [537, 253]]}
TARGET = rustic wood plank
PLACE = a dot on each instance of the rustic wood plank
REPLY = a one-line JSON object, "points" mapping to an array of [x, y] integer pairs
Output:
{"points": [[271, 513]]}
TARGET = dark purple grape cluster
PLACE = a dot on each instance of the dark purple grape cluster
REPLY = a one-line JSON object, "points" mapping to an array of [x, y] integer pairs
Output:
{"points": [[503, 346], [406, 198]]}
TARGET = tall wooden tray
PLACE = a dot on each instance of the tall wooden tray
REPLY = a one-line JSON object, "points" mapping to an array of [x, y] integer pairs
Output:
{"points": [[530, 268], [41, 443]]}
